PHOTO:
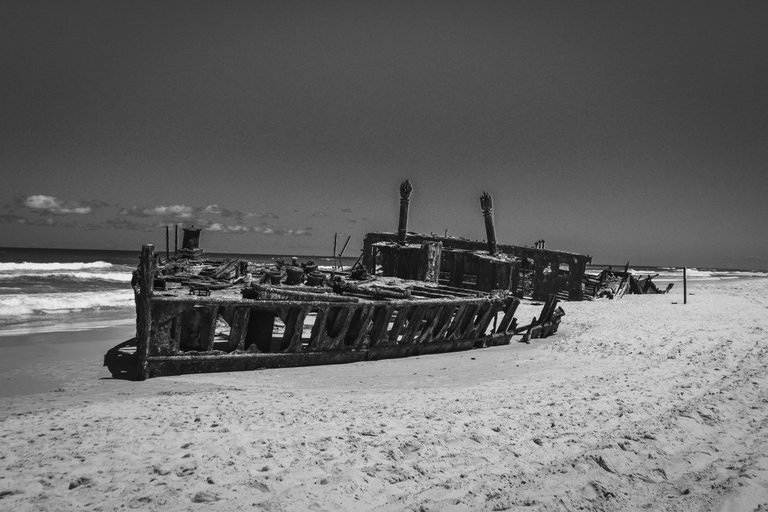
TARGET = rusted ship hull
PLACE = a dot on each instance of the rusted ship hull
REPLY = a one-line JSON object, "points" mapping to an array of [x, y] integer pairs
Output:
{"points": [[177, 332]]}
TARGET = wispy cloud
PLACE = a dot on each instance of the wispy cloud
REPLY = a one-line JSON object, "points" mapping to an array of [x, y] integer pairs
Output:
{"points": [[215, 209], [228, 228], [266, 229], [133, 211], [346, 210], [176, 211], [51, 204]]}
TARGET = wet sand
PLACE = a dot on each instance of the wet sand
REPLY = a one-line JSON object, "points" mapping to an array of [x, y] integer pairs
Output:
{"points": [[636, 404]]}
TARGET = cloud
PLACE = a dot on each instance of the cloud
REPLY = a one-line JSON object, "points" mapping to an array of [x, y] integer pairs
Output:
{"points": [[346, 210], [266, 229], [319, 214], [215, 209], [175, 210], [226, 228], [289, 232], [53, 205], [133, 211]]}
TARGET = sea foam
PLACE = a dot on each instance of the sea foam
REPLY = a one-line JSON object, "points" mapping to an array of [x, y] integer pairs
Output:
{"points": [[21, 305], [15, 267], [117, 277]]}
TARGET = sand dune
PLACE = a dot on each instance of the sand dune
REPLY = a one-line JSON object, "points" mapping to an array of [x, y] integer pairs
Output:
{"points": [[637, 404]]}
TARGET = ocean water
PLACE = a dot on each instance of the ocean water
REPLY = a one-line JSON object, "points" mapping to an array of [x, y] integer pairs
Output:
{"points": [[49, 290], [666, 275]]}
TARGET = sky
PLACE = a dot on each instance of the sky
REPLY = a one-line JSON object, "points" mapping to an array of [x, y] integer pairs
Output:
{"points": [[629, 131]]}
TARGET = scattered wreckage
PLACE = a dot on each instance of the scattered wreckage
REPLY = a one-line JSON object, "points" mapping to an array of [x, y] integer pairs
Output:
{"points": [[408, 294], [613, 284]]}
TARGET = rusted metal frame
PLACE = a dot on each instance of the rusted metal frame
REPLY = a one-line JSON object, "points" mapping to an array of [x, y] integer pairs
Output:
{"points": [[430, 294], [414, 323], [160, 339], [398, 303], [366, 316], [162, 331], [162, 312], [211, 315], [428, 319], [468, 324], [238, 328], [213, 300], [548, 309], [446, 291], [261, 319], [475, 298], [294, 326], [447, 317], [438, 317], [379, 332], [144, 310], [175, 335], [484, 320], [400, 321], [458, 321], [345, 326], [334, 340], [299, 295], [508, 315], [318, 338], [313, 344], [527, 327]]}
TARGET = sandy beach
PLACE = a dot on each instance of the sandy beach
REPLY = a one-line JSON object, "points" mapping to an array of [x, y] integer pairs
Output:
{"points": [[642, 403]]}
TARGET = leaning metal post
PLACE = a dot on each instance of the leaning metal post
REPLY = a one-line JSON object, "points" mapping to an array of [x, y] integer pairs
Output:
{"points": [[405, 194], [486, 203], [144, 309]]}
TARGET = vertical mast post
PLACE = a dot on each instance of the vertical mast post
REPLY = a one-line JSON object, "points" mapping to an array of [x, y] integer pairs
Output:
{"points": [[486, 203], [402, 227], [144, 309]]}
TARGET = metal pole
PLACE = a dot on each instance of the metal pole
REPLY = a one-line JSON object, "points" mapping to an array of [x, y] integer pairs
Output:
{"points": [[685, 285], [144, 310], [341, 265], [486, 203], [402, 227], [167, 243], [335, 238]]}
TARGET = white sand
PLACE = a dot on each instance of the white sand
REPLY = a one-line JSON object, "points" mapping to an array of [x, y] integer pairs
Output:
{"points": [[636, 404]]}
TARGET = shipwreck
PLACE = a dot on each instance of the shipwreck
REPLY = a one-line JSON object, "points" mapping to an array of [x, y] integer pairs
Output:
{"points": [[614, 284], [409, 294]]}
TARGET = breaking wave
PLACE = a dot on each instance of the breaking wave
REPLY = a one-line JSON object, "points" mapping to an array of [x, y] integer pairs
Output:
{"points": [[20, 305], [117, 277], [42, 267]]}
